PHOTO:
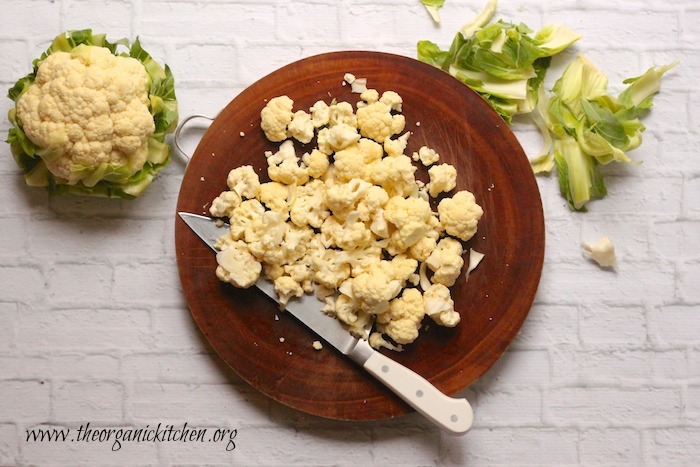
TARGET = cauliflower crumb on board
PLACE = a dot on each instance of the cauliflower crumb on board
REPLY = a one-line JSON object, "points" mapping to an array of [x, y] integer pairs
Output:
{"points": [[347, 220], [317, 345]]}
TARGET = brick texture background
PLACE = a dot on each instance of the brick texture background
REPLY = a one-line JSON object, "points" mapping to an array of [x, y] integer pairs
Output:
{"points": [[93, 326]]}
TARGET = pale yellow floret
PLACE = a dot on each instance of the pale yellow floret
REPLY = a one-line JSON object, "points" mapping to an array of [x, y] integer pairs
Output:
{"points": [[440, 306], [275, 117], [446, 261], [443, 178], [460, 215], [237, 266]]}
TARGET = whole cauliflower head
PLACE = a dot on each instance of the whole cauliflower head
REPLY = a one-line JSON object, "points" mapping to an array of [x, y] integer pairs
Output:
{"points": [[460, 215], [89, 109], [275, 117]]}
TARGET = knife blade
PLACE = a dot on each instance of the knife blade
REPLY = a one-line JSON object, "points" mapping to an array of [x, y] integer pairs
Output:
{"points": [[453, 415]]}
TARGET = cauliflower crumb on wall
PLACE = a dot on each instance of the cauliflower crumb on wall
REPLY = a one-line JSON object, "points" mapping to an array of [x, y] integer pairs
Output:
{"points": [[348, 220], [601, 251]]}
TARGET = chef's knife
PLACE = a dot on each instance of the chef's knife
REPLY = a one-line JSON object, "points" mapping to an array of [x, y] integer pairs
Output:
{"points": [[453, 415]]}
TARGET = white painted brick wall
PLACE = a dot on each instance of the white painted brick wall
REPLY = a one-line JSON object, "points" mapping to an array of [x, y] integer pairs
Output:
{"points": [[93, 326]]}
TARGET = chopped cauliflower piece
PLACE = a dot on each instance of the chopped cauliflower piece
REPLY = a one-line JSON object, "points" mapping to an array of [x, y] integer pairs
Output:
{"points": [[403, 319], [284, 167], [353, 161], [440, 306], [392, 100], [376, 122], [320, 114], [275, 117], [396, 147], [236, 265], [244, 181], [426, 155], [372, 290], [286, 289], [309, 206], [460, 215], [342, 113], [395, 175], [316, 162], [224, 204], [275, 196], [446, 261], [301, 128], [443, 178], [602, 252], [370, 96]]}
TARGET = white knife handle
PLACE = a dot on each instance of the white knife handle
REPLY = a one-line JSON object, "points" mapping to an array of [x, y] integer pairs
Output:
{"points": [[453, 415]]}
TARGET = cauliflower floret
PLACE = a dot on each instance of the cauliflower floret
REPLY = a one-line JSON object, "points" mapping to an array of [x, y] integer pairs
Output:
{"points": [[361, 260], [309, 206], [89, 109], [369, 96], [400, 267], [395, 175], [237, 266], [353, 235], [352, 162], [460, 215], [426, 155], [298, 242], [283, 166], [410, 217], [446, 261], [316, 162], [342, 113], [443, 178], [264, 236], [396, 147], [342, 135], [376, 122], [404, 317], [328, 268], [286, 288], [440, 306], [602, 252], [224, 204], [320, 114], [275, 196], [244, 181], [392, 100], [242, 217], [341, 198], [372, 290], [301, 128], [275, 117], [301, 273], [377, 341], [422, 248]]}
